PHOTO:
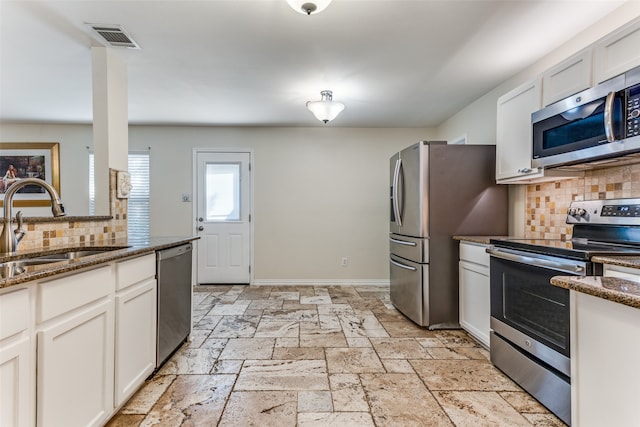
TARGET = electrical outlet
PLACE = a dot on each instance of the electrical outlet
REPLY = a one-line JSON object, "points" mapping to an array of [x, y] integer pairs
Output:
{"points": [[186, 197], [345, 261]]}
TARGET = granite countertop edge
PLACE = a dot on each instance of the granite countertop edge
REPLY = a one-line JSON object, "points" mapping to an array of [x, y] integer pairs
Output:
{"points": [[616, 289], [121, 250], [622, 261], [483, 240]]}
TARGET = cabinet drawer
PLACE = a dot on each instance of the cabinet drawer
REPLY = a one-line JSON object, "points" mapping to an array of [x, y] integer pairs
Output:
{"points": [[135, 270], [14, 313], [62, 295], [475, 253]]}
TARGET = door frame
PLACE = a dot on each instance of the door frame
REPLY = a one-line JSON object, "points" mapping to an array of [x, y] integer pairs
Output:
{"points": [[194, 204]]}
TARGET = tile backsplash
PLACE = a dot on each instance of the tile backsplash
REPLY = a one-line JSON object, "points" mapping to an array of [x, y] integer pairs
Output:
{"points": [[49, 234], [547, 203]]}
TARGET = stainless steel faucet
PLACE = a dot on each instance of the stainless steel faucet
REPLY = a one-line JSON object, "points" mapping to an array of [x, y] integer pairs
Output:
{"points": [[10, 238]]}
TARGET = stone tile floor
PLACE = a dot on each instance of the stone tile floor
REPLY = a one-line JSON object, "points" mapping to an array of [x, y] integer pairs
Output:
{"points": [[324, 356]]}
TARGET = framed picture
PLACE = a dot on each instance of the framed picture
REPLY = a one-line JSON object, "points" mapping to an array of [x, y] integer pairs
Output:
{"points": [[19, 160]]}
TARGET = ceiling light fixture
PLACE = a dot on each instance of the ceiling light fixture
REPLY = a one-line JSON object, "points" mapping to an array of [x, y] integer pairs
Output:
{"points": [[309, 7], [326, 109]]}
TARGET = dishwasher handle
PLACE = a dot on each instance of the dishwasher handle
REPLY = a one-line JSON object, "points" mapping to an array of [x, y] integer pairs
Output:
{"points": [[174, 252]]}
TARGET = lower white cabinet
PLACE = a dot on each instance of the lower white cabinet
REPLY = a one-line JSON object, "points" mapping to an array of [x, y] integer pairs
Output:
{"points": [[135, 345], [17, 403], [605, 381], [75, 368], [75, 353], [74, 348], [474, 291]]}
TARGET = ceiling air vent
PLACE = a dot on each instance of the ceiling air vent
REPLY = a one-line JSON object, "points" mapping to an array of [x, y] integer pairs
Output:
{"points": [[113, 35]]}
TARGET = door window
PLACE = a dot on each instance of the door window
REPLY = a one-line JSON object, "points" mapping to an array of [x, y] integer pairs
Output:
{"points": [[222, 199]]}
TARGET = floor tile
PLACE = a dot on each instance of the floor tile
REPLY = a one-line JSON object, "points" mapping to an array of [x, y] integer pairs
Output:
{"points": [[260, 408], [300, 356], [248, 348], [314, 401], [347, 393], [462, 375], [283, 375], [192, 400], [344, 419], [402, 400], [479, 408], [353, 360]]}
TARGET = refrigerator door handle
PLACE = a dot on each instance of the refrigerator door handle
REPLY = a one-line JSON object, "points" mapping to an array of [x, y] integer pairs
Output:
{"points": [[406, 267], [395, 192], [402, 242]]}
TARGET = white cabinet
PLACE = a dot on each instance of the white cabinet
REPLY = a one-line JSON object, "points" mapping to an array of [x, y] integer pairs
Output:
{"points": [[618, 52], [569, 77], [474, 291], [135, 333], [605, 381], [513, 137], [17, 373], [75, 356]]}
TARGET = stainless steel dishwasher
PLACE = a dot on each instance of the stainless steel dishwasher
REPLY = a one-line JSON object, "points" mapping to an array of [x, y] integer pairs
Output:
{"points": [[174, 299]]}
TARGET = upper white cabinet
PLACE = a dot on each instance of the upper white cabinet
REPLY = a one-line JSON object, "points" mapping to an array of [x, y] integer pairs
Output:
{"points": [[513, 137], [569, 77], [618, 52]]}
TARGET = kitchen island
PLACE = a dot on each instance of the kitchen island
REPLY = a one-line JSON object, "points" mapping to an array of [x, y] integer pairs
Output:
{"points": [[80, 329]]}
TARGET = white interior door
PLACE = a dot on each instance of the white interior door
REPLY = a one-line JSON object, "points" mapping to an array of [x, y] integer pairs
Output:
{"points": [[223, 192]]}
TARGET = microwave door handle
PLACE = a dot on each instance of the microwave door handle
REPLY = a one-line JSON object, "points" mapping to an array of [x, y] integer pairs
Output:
{"points": [[608, 117], [395, 192]]}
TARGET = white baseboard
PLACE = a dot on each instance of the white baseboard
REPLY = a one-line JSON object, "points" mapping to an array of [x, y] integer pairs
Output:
{"points": [[323, 282]]}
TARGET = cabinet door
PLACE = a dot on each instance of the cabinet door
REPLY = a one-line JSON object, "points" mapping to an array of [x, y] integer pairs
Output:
{"points": [[513, 137], [474, 300], [618, 52], [135, 338], [75, 368], [16, 408], [571, 76]]}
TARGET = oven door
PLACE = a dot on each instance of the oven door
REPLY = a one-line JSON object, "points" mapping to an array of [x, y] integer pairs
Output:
{"points": [[525, 308]]}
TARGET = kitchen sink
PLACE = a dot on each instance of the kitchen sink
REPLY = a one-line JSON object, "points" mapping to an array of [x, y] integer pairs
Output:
{"points": [[12, 268]]}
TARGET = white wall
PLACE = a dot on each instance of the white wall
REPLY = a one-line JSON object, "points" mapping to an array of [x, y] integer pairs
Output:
{"points": [[478, 119], [320, 193], [74, 161]]}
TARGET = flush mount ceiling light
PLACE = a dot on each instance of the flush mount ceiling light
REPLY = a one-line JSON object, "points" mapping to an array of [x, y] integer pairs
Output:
{"points": [[326, 109], [309, 7]]}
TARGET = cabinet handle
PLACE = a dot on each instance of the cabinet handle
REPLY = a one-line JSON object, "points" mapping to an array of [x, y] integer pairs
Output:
{"points": [[525, 170]]}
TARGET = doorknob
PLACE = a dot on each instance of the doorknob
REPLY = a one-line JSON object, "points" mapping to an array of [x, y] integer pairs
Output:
{"points": [[201, 228], [200, 219]]}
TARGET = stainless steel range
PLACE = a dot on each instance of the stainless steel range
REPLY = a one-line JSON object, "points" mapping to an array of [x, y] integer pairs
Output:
{"points": [[530, 339]]}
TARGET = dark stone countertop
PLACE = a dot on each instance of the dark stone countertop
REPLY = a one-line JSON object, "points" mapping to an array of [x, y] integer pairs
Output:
{"points": [[614, 289], [483, 240], [114, 250]]}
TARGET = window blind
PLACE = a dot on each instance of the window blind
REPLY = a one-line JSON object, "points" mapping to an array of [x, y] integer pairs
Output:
{"points": [[138, 207]]}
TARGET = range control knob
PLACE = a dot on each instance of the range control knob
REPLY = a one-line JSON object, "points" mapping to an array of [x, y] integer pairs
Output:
{"points": [[572, 211], [581, 212]]}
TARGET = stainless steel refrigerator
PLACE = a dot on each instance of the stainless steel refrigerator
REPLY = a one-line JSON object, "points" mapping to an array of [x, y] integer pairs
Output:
{"points": [[438, 191]]}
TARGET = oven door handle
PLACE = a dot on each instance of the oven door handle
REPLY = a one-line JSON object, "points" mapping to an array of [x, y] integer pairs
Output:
{"points": [[567, 267]]}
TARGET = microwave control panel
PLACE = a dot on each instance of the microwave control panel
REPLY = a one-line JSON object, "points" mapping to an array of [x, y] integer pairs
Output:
{"points": [[633, 111]]}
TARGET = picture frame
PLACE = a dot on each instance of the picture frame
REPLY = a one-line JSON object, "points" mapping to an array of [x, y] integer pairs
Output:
{"points": [[30, 159]]}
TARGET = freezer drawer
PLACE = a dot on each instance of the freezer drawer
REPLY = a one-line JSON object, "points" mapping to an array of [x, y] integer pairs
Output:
{"points": [[411, 248], [409, 281]]}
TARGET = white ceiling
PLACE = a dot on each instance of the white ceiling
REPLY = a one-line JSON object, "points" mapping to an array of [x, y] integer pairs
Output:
{"points": [[393, 63]]}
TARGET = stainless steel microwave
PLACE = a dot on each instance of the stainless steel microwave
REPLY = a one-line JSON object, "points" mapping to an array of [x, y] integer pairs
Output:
{"points": [[598, 123]]}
